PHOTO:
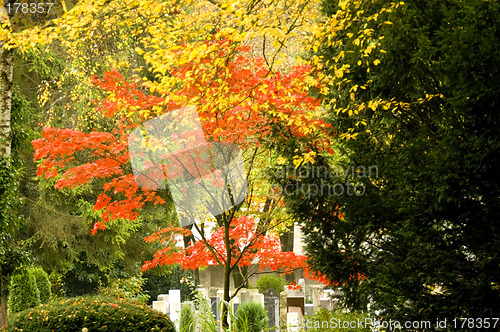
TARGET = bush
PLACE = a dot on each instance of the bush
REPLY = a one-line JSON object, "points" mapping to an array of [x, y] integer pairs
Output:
{"points": [[251, 317], [96, 313], [187, 320], [270, 282], [42, 283], [23, 293]]}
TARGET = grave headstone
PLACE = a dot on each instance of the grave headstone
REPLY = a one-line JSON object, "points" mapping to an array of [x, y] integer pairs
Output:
{"points": [[259, 298], [245, 296], [272, 305], [163, 297], [161, 306], [174, 296]]}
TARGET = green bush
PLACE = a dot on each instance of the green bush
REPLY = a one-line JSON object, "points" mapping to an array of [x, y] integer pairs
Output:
{"points": [[42, 283], [23, 293], [270, 282], [251, 317], [187, 321], [96, 313], [330, 321]]}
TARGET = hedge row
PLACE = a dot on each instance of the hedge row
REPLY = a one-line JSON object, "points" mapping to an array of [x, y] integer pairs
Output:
{"points": [[96, 313]]}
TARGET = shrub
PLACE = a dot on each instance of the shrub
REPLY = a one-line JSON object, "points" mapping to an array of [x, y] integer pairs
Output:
{"points": [[23, 293], [187, 320], [96, 313], [251, 317], [270, 282], [42, 283]]}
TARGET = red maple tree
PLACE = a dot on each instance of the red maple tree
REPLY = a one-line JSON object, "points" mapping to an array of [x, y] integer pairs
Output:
{"points": [[240, 101]]}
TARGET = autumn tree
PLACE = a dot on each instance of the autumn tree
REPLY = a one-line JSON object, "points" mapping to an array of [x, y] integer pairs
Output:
{"points": [[414, 93], [258, 104]]}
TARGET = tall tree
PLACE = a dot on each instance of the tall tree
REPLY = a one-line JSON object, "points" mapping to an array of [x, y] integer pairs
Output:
{"points": [[249, 117], [415, 94]]}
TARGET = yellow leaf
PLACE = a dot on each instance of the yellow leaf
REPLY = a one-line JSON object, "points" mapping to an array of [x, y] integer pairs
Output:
{"points": [[281, 160], [297, 161]]}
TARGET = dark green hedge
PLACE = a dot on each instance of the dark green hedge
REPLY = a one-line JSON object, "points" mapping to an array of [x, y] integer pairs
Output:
{"points": [[96, 313]]}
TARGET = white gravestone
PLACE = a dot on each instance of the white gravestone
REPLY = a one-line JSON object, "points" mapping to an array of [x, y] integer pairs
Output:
{"points": [[175, 306]]}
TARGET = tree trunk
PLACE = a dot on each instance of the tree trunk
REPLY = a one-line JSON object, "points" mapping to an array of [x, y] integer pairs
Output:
{"points": [[6, 59], [227, 277], [225, 304]]}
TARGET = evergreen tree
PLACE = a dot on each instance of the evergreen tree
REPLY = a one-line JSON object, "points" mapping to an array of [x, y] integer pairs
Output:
{"points": [[416, 94]]}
